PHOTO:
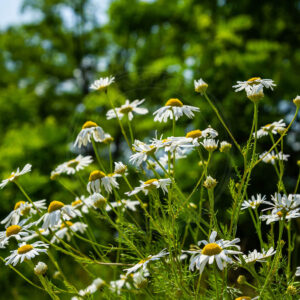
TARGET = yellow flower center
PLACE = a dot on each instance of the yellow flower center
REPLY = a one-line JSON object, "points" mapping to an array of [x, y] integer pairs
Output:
{"points": [[24, 249], [96, 175], [211, 249], [55, 205], [13, 229], [150, 181], [17, 205], [108, 140], [280, 214], [76, 202], [151, 151], [89, 124], [253, 79], [194, 134], [174, 102], [63, 225], [144, 260], [243, 298], [126, 109], [12, 175], [73, 163]]}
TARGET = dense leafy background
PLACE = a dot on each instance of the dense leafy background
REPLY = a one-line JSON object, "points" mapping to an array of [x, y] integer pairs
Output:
{"points": [[155, 49]]}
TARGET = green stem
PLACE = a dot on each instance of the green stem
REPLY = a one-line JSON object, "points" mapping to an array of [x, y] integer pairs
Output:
{"points": [[97, 156]]}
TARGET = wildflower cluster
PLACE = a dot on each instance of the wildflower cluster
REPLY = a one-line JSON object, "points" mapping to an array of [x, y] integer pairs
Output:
{"points": [[156, 222]]}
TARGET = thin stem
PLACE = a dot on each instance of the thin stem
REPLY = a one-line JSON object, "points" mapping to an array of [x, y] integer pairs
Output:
{"points": [[97, 156]]}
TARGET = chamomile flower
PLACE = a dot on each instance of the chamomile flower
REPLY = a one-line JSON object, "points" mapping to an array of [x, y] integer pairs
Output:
{"points": [[283, 202], [116, 286], [90, 130], [174, 108], [22, 209], [254, 81], [17, 231], [92, 288], [120, 168], [171, 144], [14, 175], [274, 128], [270, 158], [142, 152], [127, 109], [195, 136], [144, 262], [102, 83], [26, 252], [256, 93], [97, 178], [225, 146], [150, 184], [74, 165], [96, 200], [131, 205], [66, 229], [210, 144], [56, 211], [255, 202], [32, 236], [297, 271], [41, 268], [200, 86], [281, 215], [256, 256], [213, 251]]}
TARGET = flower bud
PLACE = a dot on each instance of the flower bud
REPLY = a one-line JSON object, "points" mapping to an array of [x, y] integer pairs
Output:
{"points": [[41, 268], [297, 101], [200, 86], [225, 146], [241, 279], [210, 182]]}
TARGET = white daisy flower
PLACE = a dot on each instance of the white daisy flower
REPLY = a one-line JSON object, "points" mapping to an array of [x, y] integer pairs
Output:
{"points": [[150, 184], [297, 271], [56, 211], [248, 85], [131, 205], [274, 128], [17, 231], [200, 86], [256, 256], [256, 93], [120, 168], [255, 202], [117, 285], [127, 109], [35, 235], [225, 146], [280, 215], [96, 200], [174, 107], [74, 165], [90, 130], [91, 289], [172, 144], [67, 230], [102, 83], [140, 278], [210, 144], [213, 251], [83, 203], [283, 202], [108, 139], [15, 175], [21, 209], [144, 262], [142, 152], [271, 157], [97, 178], [26, 252]]}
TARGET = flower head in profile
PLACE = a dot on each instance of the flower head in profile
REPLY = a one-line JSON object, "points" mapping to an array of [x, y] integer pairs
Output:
{"points": [[253, 82], [270, 158], [23, 209], [297, 101], [129, 204], [91, 289], [151, 184], [102, 83], [200, 86], [174, 108], [127, 109], [210, 144], [66, 229], [143, 151], [14, 175], [256, 93], [74, 165], [41, 268], [213, 251], [254, 202], [283, 202], [144, 262], [98, 178], [120, 168], [26, 252], [56, 211], [195, 136], [256, 256], [274, 128], [281, 215], [225, 146], [90, 130]]}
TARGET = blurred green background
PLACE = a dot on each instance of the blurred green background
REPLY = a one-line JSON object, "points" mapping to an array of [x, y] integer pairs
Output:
{"points": [[155, 49]]}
